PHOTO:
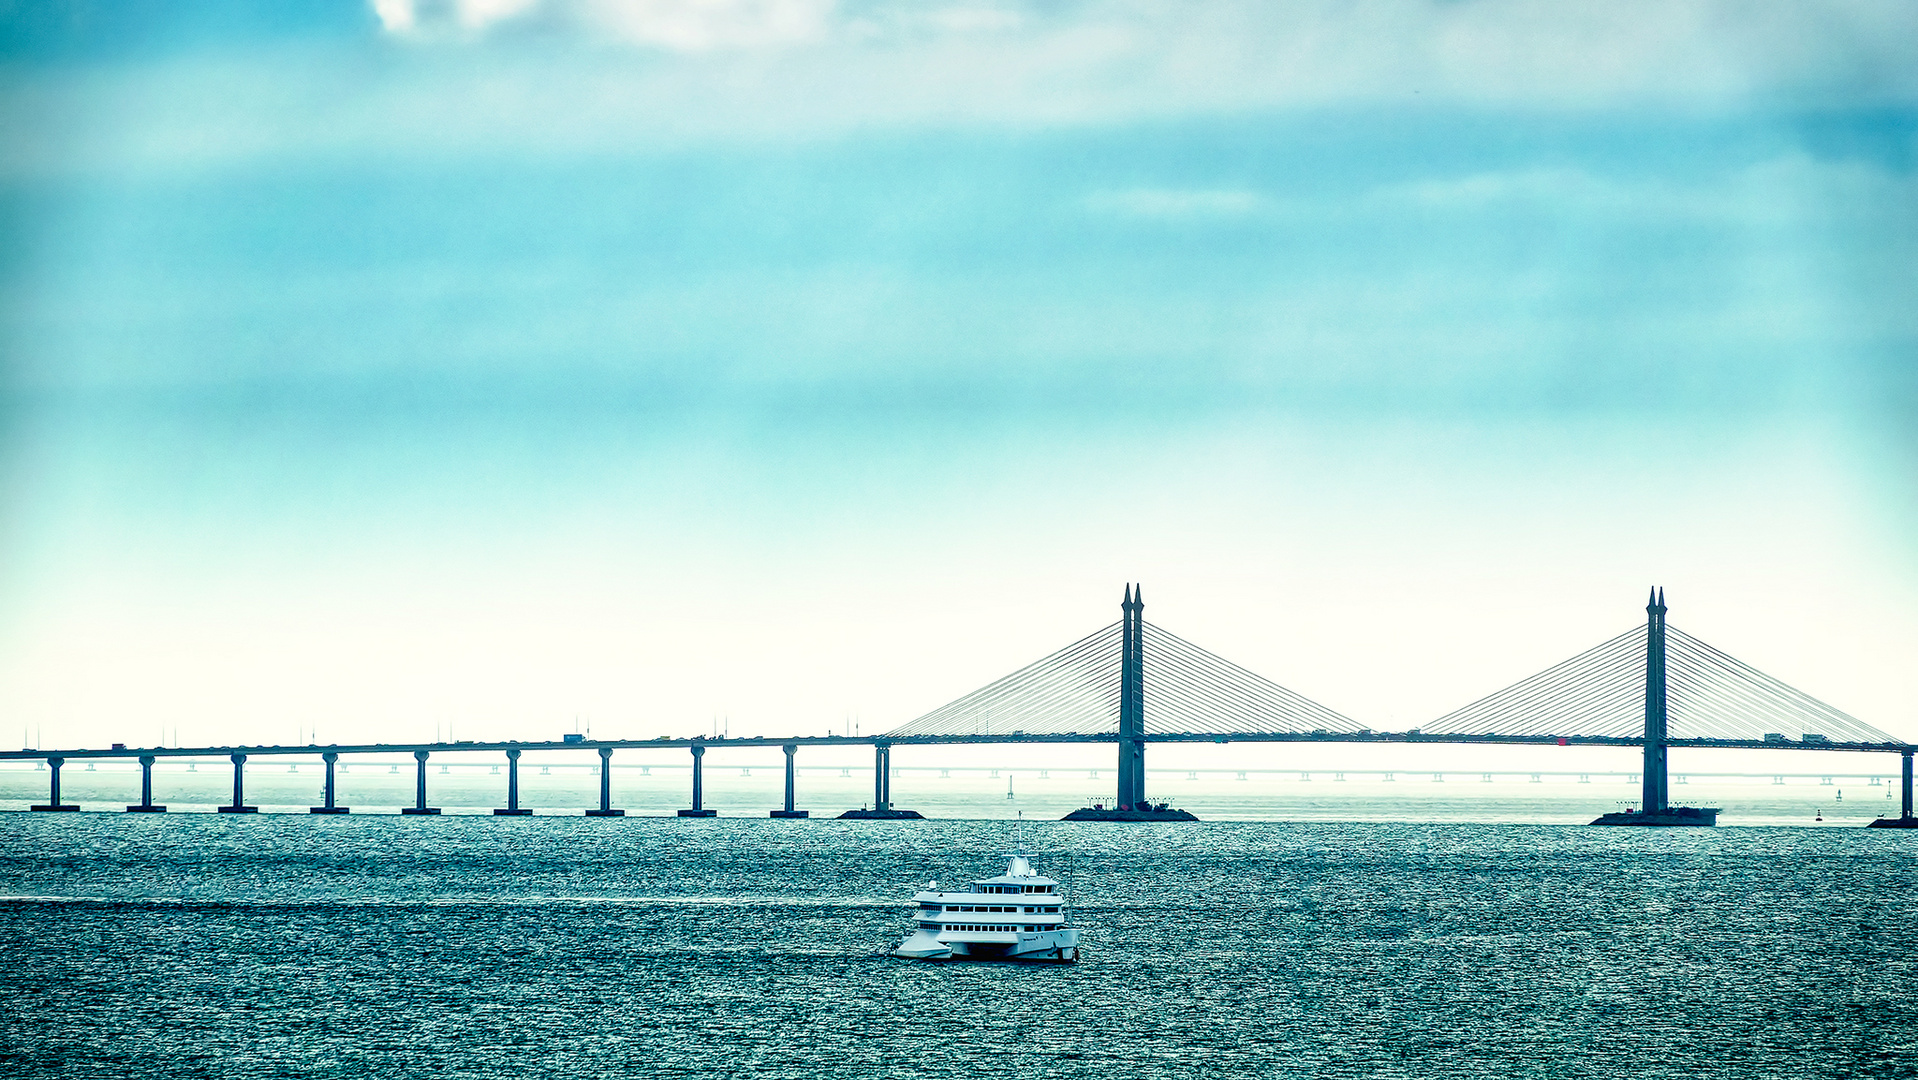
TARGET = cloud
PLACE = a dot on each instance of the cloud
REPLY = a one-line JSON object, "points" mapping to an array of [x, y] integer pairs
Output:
{"points": [[562, 76], [677, 25], [1227, 52], [1790, 190], [1166, 203]]}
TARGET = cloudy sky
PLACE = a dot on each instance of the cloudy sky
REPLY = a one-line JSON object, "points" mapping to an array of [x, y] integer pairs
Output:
{"points": [[381, 367]]}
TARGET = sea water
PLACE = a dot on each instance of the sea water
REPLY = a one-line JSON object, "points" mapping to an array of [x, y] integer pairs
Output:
{"points": [[292, 946]]}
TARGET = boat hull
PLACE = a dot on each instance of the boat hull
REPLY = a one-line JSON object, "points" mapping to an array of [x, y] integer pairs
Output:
{"points": [[1043, 947]]}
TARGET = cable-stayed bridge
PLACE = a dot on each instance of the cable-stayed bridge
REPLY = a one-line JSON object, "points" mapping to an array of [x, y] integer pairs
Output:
{"points": [[1653, 686], [1134, 683], [1711, 697], [1075, 691]]}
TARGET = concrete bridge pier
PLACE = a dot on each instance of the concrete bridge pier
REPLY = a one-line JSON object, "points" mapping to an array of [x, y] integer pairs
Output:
{"points": [[331, 759], [605, 786], [792, 751], [512, 807], [146, 789], [53, 790], [419, 795], [882, 809], [239, 789], [699, 792], [1904, 820]]}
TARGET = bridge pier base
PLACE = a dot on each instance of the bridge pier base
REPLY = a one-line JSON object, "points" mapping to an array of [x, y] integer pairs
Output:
{"points": [[791, 752], [239, 789], [327, 794], [606, 808], [1904, 820], [146, 805], [53, 802], [419, 800], [699, 789], [882, 809], [512, 807]]}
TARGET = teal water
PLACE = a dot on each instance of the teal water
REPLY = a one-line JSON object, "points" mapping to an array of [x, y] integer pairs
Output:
{"points": [[195, 945]]}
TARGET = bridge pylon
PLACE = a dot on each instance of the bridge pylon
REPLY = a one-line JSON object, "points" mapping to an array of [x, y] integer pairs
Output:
{"points": [[1654, 797], [1131, 794]]}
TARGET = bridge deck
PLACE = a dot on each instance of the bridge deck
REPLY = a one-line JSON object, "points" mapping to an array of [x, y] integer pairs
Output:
{"points": [[942, 740]]}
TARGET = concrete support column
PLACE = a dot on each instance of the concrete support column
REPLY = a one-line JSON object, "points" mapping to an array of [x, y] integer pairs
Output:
{"points": [[419, 797], [699, 791], [882, 776], [791, 749], [239, 788], [1131, 793], [605, 786], [1907, 778], [512, 808], [1653, 795], [329, 794], [145, 805], [53, 787]]}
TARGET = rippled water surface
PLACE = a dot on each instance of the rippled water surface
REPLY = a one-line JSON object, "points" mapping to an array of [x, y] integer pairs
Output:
{"points": [[292, 946]]}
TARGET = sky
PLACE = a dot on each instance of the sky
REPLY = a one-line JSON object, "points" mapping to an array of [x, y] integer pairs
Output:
{"points": [[500, 366]]}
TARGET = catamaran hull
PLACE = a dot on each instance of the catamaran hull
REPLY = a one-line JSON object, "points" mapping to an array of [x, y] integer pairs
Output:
{"points": [[1048, 947]]}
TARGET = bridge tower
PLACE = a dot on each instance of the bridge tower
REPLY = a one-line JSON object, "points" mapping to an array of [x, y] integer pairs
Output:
{"points": [[1132, 700], [1653, 800]]}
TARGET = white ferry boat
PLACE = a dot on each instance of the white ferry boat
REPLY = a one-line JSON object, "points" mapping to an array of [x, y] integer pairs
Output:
{"points": [[1016, 916]]}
